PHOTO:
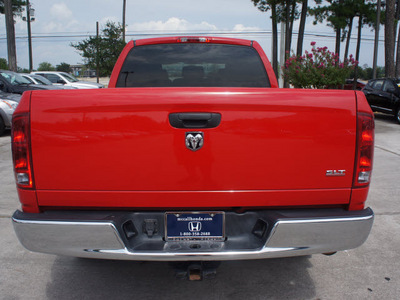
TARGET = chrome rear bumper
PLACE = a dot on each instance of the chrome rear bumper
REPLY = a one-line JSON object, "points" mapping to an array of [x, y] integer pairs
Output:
{"points": [[103, 235]]}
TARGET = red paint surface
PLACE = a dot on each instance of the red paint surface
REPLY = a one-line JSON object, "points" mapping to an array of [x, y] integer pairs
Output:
{"points": [[116, 148], [187, 199], [28, 200], [358, 198], [120, 140]]}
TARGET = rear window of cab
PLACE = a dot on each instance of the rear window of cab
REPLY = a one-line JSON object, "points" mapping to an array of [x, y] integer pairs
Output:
{"points": [[193, 65]]}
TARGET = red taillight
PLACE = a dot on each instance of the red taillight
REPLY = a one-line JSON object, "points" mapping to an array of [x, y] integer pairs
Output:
{"points": [[365, 149], [20, 137]]}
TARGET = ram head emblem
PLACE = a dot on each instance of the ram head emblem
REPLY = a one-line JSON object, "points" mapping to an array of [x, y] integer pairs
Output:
{"points": [[194, 140]]}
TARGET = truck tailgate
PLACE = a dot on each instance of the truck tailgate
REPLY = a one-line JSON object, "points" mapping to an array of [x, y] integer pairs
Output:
{"points": [[117, 148]]}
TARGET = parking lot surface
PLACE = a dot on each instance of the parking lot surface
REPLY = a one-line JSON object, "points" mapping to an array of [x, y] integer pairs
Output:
{"points": [[371, 271]]}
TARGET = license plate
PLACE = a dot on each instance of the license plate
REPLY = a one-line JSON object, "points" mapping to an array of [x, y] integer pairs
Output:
{"points": [[193, 225]]}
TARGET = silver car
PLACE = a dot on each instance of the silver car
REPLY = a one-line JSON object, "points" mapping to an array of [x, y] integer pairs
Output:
{"points": [[62, 78], [8, 103]]}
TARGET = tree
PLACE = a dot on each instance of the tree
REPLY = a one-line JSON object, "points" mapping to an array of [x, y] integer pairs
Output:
{"points": [[17, 7], [3, 64], [264, 6], [302, 27], [46, 66], [350, 18], [365, 11], [287, 12], [335, 13], [284, 11], [106, 48], [22, 70], [64, 67], [7, 8], [366, 73], [389, 37], [397, 16]]}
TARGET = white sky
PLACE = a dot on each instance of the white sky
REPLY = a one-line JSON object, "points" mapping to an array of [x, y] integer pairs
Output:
{"points": [[158, 17]]}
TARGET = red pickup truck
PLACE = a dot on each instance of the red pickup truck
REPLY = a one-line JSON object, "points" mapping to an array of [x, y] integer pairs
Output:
{"points": [[193, 153]]}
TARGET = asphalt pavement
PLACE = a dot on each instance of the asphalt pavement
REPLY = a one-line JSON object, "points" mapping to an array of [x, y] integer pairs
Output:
{"points": [[371, 271]]}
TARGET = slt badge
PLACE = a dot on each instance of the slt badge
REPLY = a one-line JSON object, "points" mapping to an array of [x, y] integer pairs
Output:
{"points": [[335, 173], [194, 140]]}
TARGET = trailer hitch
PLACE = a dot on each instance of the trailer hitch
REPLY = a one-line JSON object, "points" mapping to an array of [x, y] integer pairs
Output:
{"points": [[195, 270]]}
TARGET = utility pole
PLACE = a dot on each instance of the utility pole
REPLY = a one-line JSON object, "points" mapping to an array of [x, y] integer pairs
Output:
{"points": [[282, 53], [12, 53], [360, 22], [29, 14], [123, 20], [97, 51], [376, 42]]}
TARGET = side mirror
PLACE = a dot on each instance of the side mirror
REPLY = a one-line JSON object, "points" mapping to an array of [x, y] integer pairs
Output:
{"points": [[61, 81], [2, 86]]}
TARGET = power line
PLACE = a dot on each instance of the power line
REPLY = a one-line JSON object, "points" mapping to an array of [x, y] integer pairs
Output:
{"points": [[159, 33]]}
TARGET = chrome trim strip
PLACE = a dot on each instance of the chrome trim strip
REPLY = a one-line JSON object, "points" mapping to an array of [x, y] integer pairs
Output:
{"points": [[382, 108], [101, 239]]}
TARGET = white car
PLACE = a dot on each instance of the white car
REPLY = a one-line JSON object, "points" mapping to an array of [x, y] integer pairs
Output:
{"points": [[62, 78], [8, 103], [42, 81]]}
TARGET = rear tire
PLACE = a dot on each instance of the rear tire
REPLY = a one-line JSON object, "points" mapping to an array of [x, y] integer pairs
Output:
{"points": [[2, 126], [397, 115]]}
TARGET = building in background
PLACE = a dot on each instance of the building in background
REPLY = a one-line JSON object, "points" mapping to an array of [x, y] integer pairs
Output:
{"points": [[82, 71]]}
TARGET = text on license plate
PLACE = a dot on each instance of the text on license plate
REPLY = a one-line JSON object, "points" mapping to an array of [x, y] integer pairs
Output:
{"points": [[191, 225]]}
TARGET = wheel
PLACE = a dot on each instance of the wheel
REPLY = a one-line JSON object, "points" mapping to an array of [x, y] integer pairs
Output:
{"points": [[397, 115], [2, 126]]}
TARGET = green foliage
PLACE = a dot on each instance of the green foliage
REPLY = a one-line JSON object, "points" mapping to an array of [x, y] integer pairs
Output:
{"points": [[46, 66], [367, 72], [109, 45], [17, 7], [338, 12], [319, 69], [3, 64], [22, 70], [281, 10], [264, 5], [64, 67], [335, 13]]}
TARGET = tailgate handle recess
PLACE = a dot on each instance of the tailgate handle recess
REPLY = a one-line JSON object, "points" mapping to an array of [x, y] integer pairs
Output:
{"points": [[194, 120]]}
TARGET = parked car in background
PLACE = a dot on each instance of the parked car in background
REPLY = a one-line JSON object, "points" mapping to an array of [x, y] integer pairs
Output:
{"points": [[37, 79], [11, 82], [383, 95], [65, 79], [349, 84], [8, 103]]}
